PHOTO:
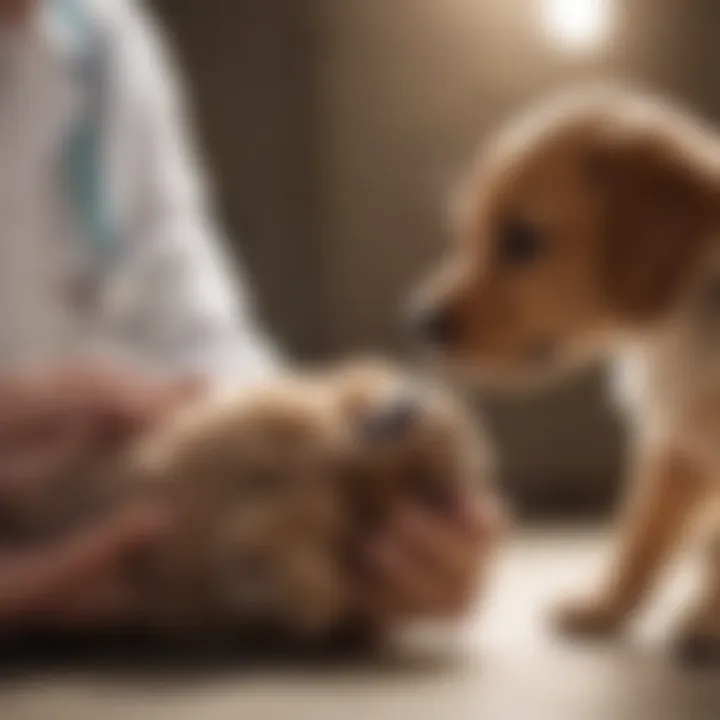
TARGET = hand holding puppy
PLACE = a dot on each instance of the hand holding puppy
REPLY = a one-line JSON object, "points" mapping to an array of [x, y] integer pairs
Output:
{"points": [[433, 565], [51, 419]]}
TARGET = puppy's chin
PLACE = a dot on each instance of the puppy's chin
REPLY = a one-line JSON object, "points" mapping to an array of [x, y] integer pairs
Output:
{"points": [[513, 378], [511, 375]]}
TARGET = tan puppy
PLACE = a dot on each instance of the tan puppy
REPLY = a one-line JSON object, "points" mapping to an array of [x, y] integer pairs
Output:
{"points": [[593, 225], [273, 492]]}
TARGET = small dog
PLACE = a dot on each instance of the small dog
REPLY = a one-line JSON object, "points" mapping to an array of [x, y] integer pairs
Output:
{"points": [[592, 226], [273, 492]]}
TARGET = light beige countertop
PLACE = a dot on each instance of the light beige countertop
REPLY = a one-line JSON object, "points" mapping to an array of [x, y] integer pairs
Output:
{"points": [[502, 666]]}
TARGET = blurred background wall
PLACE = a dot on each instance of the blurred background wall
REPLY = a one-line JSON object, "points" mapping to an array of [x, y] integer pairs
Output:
{"points": [[335, 128]]}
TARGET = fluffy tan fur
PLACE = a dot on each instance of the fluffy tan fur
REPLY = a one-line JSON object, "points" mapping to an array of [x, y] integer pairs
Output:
{"points": [[274, 492]]}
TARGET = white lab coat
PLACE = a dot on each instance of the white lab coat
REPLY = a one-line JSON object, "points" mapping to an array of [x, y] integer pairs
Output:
{"points": [[169, 298]]}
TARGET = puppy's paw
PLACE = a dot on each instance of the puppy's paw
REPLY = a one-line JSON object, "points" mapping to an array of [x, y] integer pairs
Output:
{"points": [[698, 649], [588, 619], [697, 643]]}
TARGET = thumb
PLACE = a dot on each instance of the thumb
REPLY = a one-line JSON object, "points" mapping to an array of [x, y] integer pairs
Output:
{"points": [[32, 581]]}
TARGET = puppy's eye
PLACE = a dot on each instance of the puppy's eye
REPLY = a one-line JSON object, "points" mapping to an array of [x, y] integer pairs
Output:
{"points": [[520, 242]]}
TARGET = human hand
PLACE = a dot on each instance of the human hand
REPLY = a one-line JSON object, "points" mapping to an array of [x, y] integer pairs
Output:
{"points": [[76, 580], [431, 565], [51, 422], [51, 418], [121, 398]]}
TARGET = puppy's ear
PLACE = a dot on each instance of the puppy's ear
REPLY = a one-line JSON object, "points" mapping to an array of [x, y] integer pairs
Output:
{"points": [[659, 203]]}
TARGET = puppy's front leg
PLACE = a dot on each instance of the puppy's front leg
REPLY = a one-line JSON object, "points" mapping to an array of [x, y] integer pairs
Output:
{"points": [[698, 640], [667, 493]]}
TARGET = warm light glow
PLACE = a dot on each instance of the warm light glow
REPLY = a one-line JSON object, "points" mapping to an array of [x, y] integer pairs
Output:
{"points": [[578, 24]]}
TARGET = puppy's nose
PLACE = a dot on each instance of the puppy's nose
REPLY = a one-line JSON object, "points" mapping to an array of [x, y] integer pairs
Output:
{"points": [[434, 325], [391, 419]]}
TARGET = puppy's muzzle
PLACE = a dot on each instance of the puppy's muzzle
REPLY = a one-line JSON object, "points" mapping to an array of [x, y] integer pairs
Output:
{"points": [[432, 325]]}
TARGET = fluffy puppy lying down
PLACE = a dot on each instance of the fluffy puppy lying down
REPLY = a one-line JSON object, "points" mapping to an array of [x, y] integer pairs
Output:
{"points": [[273, 491], [592, 226]]}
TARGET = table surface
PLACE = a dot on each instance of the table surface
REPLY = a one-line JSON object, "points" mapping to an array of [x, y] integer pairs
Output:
{"points": [[503, 664]]}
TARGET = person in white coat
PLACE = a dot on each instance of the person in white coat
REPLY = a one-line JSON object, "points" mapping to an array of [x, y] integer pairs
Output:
{"points": [[108, 254], [108, 250], [106, 238]]}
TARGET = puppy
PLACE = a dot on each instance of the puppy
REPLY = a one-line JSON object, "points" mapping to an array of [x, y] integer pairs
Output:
{"points": [[592, 226], [273, 492]]}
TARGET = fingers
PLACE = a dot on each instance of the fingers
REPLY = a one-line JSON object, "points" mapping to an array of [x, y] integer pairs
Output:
{"points": [[130, 402], [49, 419], [428, 573], [34, 582], [30, 460], [41, 408], [406, 587], [31, 400], [102, 600], [432, 566]]}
